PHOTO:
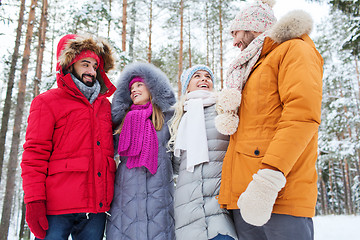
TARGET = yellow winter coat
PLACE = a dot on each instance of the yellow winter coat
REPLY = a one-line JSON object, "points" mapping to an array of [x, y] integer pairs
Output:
{"points": [[279, 119]]}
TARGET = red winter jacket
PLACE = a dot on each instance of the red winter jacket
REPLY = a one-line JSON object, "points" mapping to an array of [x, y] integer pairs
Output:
{"points": [[68, 154]]}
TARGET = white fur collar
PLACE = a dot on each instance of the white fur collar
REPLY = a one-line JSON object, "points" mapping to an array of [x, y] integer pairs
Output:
{"points": [[293, 25]]}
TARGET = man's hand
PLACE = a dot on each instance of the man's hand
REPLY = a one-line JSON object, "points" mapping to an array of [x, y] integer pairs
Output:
{"points": [[36, 218], [257, 202]]}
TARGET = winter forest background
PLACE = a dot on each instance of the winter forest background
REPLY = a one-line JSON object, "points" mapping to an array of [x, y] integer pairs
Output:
{"points": [[173, 35]]}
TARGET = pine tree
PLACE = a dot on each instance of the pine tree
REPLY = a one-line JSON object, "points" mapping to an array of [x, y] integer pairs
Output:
{"points": [[10, 85], [13, 160], [181, 43], [124, 22], [40, 47], [339, 130]]}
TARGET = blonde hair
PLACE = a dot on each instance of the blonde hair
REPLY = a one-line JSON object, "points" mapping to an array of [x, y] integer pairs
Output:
{"points": [[157, 118], [174, 122]]}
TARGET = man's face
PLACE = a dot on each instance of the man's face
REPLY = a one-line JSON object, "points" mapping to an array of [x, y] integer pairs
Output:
{"points": [[85, 70], [243, 38]]}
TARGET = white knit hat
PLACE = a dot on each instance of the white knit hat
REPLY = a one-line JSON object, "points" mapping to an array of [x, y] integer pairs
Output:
{"points": [[257, 17]]}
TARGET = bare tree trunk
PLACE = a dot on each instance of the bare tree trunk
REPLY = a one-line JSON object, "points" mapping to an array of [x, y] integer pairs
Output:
{"points": [[52, 41], [357, 73], [333, 195], [358, 79], [357, 203], [347, 200], [346, 165], [331, 192], [150, 31], [221, 46], [13, 160], [41, 47], [132, 30], [348, 183], [52, 51], [207, 33], [323, 199], [181, 46], [23, 233], [213, 48], [10, 85], [124, 22], [37, 80], [357, 163], [109, 22], [190, 64]]}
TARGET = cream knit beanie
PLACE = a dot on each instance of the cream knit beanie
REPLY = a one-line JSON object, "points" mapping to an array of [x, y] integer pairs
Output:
{"points": [[257, 17]]}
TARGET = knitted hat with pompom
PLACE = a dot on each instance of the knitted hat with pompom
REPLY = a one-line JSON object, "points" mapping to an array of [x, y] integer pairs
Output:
{"points": [[188, 73], [257, 16]]}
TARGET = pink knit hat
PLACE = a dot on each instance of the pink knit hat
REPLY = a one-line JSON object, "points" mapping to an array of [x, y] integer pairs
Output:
{"points": [[134, 80], [257, 17]]}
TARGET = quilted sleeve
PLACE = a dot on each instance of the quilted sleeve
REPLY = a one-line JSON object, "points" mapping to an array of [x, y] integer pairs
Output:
{"points": [[37, 150]]}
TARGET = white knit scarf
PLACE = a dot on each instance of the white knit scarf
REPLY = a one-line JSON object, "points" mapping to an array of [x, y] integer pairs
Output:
{"points": [[241, 67], [191, 134]]}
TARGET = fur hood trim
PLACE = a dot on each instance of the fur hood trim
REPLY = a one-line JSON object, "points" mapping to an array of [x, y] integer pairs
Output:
{"points": [[156, 81], [271, 3], [293, 25], [75, 44]]}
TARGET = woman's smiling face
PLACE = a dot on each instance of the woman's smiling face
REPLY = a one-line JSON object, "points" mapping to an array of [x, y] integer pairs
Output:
{"points": [[201, 80], [139, 93]]}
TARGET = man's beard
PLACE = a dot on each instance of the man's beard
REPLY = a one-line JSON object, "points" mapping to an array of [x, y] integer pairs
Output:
{"points": [[89, 84], [249, 37]]}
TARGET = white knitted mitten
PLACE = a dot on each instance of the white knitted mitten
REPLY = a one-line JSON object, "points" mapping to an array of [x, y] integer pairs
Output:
{"points": [[228, 102], [257, 202]]}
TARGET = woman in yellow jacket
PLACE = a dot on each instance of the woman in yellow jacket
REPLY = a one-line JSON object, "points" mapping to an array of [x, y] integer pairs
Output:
{"points": [[269, 168]]}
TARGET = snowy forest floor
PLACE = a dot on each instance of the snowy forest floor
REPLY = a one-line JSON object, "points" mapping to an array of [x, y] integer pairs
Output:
{"points": [[331, 227], [337, 227]]}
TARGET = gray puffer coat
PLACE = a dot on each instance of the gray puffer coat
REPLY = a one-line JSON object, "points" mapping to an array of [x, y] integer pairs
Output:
{"points": [[197, 213], [142, 208]]}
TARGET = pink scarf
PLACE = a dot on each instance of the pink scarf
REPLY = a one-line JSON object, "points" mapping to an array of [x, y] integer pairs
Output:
{"points": [[138, 140]]}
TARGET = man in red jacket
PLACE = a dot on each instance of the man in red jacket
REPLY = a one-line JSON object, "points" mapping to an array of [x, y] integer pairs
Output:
{"points": [[68, 166]]}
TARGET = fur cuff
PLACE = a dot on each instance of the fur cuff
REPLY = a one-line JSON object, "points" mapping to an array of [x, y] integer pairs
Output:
{"points": [[227, 105]]}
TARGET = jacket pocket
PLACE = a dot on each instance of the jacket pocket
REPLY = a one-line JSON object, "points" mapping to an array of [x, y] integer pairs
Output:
{"points": [[67, 185], [246, 161], [68, 165], [250, 155], [253, 148]]}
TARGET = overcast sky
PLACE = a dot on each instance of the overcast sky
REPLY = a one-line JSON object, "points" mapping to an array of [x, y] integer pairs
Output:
{"points": [[317, 11]]}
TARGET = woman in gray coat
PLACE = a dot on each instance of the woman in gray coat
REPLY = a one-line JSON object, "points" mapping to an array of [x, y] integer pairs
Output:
{"points": [[199, 150], [142, 207]]}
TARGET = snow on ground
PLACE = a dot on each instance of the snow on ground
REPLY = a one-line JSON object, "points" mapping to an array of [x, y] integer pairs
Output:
{"points": [[331, 227], [337, 227]]}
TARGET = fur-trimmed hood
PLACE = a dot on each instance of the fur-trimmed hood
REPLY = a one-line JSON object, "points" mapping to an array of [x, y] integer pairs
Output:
{"points": [[71, 45], [155, 80], [293, 25]]}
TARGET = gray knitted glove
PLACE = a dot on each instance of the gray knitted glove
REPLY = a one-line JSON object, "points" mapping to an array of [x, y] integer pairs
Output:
{"points": [[257, 202]]}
